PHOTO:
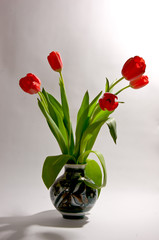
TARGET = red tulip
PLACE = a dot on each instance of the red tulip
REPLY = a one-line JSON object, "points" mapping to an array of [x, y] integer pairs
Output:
{"points": [[107, 102], [133, 68], [55, 61], [139, 82], [30, 83]]}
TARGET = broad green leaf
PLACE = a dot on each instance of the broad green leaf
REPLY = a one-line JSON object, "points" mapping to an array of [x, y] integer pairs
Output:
{"points": [[55, 103], [96, 111], [92, 140], [84, 142], [112, 128], [50, 107], [71, 141], [52, 166], [64, 102], [101, 115], [90, 135], [93, 172], [65, 108], [92, 105], [43, 100], [84, 105], [82, 159], [96, 128], [55, 130], [56, 116], [82, 121], [93, 128]]}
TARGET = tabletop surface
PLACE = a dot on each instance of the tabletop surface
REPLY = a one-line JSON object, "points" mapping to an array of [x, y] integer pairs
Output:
{"points": [[115, 216]]}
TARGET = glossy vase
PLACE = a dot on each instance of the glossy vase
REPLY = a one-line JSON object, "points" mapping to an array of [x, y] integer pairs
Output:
{"points": [[71, 196]]}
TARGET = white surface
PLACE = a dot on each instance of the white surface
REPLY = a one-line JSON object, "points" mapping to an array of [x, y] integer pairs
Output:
{"points": [[119, 215], [94, 38]]}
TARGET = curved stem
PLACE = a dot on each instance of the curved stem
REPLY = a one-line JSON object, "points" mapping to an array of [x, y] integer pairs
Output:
{"points": [[122, 90], [119, 80]]}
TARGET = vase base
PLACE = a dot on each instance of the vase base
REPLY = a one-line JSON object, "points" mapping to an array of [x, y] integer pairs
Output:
{"points": [[73, 216]]}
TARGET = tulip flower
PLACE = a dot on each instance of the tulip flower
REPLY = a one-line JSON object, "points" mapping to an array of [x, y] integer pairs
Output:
{"points": [[30, 83], [107, 102], [55, 61], [133, 68], [139, 82]]}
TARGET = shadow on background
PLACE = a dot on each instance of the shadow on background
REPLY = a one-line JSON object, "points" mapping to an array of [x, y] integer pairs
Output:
{"points": [[16, 226]]}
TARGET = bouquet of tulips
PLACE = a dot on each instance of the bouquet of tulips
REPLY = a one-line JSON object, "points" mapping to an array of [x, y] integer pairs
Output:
{"points": [[91, 116]]}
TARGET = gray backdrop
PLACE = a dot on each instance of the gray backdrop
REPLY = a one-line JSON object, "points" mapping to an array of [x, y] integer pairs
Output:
{"points": [[94, 38]]}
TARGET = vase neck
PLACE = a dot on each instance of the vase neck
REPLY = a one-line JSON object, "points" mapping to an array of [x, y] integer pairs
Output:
{"points": [[75, 169]]}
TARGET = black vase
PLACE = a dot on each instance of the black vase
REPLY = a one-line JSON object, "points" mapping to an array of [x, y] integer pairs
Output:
{"points": [[71, 196]]}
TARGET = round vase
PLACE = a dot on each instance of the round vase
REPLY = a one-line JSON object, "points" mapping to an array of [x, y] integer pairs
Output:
{"points": [[71, 196]]}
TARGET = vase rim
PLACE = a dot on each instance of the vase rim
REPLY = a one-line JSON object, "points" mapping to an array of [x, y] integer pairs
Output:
{"points": [[75, 166]]}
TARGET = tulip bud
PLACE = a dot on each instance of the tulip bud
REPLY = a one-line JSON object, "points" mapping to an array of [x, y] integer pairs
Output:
{"points": [[107, 102], [30, 83], [55, 61], [133, 68], [139, 82]]}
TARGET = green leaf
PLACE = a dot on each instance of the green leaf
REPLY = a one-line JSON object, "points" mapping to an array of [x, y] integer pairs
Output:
{"points": [[112, 128], [89, 136], [93, 128], [94, 172], [43, 100], [64, 102], [82, 160], [55, 103], [82, 121], [92, 105], [50, 107], [95, 132], [101, 115], [107, 85], [57, 117], [55, 130], [52, 166], [84, 142], [65, 108], [84, 105]]}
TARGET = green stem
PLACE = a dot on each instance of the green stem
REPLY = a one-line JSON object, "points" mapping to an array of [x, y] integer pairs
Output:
{"points": [[119, 80], [122, 90], [61, 77]]}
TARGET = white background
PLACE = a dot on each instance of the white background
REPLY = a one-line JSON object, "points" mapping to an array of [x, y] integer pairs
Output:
{"points": [[94, 38]]}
